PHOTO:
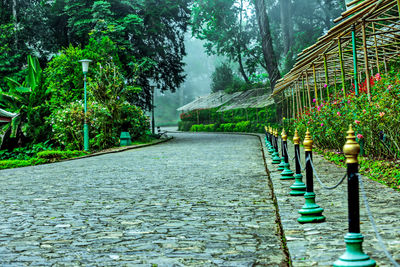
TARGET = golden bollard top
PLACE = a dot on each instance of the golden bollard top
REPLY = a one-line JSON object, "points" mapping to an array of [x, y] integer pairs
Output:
{"points": [[308, 142], [284, 135], [266, 129], [270, 130], [276, 132], [351, 148], [296, 138]]}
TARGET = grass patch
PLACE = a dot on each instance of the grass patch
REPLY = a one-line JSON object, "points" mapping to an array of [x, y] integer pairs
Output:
{"points": [[382, 171], [54, 155], [16, 163]]}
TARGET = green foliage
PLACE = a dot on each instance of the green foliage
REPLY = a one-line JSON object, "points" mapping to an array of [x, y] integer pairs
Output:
{"points": [[242, 127], [28, 100], [64, 76], [385, 172], [376, 122], [222, 78], [103, 132], [25, 153], [15, 163], [54, 155], [8, 57]]}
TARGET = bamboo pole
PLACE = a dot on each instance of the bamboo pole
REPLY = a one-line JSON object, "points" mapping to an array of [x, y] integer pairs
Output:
{"points": [[315, 85], [342, 67], [308, 91], [326, 76], [297, 98], [321, 96], [300, 107], [304, 91], [366, 61], [384, 61], [294, 105], [353, 35], [287, 107]]}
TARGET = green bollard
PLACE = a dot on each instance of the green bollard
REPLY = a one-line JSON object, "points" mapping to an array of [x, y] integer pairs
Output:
{"points": [[287, 173], [298, 187], [275, 156], [310, 212], [125, 139], [354, 255]]}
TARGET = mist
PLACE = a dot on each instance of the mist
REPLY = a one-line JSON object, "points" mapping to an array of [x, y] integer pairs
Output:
{"points": [[198, 70]]}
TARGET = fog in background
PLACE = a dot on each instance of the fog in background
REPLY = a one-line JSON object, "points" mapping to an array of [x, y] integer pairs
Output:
{"points": [[198, 70]]}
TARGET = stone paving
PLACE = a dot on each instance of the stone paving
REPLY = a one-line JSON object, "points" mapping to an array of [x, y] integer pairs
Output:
{"points": [[199, 200], [322, 243]]}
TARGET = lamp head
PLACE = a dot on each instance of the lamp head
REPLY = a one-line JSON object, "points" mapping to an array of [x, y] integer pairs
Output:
{"points": [[85, 65]]}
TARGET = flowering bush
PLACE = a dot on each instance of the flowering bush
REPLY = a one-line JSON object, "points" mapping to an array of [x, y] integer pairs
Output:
{"points": [[103, 132], [377, 122]]}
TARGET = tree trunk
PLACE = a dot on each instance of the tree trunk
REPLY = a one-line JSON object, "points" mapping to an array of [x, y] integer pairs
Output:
{"points": [[241, 68], [15, 20], [268, 51], [239, 43], [286, 24]]}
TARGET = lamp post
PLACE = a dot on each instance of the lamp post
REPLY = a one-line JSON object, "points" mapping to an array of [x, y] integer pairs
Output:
{"points": [[152, 110], [85, 68]]}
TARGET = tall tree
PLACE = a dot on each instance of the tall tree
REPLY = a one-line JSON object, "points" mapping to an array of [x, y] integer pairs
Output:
{"points": [[220, 24], [268, 51], [286, 24]]}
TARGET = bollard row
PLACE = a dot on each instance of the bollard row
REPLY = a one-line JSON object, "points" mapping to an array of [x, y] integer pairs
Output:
{"points": [[310, 211]]}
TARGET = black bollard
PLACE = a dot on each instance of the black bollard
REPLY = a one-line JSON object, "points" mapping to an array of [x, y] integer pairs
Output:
{"points": [[354, 255], [310, 212], [275, 156], [298, 187]]}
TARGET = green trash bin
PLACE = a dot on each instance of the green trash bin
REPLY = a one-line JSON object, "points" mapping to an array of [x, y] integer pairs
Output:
{"points": [[125, 139]]}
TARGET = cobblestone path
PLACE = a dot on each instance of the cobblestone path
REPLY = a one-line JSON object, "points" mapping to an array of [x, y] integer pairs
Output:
{"points": [[320, 244], [200, 199]]}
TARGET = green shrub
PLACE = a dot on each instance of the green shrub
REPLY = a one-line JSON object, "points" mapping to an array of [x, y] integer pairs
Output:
{"points": [[104, 133], [15, 163], [242, 126], [185, 125], [53, 155]]}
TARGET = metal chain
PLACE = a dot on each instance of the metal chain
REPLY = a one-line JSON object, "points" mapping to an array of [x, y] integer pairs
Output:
{"points": [[300, 161], [319, 180], [288, 153], [378, 236]]}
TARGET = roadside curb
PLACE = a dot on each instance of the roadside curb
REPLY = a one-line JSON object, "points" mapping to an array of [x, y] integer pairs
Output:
{"points": [[121, 149]]}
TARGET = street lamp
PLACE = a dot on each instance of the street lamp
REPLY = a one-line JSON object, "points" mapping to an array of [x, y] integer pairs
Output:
{"points": [[85, 68], [153, 124]]}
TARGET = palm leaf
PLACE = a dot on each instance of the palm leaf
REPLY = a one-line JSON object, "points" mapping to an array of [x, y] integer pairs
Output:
{"points": [[12, 83], [14, 125]]}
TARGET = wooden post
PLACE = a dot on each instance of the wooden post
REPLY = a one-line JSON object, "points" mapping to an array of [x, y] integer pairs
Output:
{"points": [[376, 49], [353, 38], [366, 61], [287, 107], [294, 105], [308, 91], [315, 85], [326, 76], [321, 95], [341, 66], [299, 99], [398, 7], [304, 91], [384, 60]]}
